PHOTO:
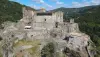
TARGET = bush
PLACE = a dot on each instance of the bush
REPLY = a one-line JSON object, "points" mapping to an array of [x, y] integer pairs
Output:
{"points": [[48, 50]]}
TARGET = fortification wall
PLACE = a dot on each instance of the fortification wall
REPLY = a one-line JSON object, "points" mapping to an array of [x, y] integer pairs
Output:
{"points": [[41, 26], [47, 19], [37, 34], [58, 16], [73, 27], [27, 12]]}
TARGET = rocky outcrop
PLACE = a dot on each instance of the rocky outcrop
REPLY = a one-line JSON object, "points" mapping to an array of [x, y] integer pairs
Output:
{"points": [[73, 45], [34, 37]]}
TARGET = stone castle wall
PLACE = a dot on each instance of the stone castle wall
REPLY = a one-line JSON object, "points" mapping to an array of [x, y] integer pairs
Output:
{"points": [[45, 28], [41, 24], [33, 26]]}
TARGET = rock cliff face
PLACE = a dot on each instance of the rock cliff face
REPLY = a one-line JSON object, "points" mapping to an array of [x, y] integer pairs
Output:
{"points": [[42, 34]]}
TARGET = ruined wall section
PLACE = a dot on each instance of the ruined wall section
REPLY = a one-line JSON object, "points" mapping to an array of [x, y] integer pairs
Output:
{"points": [[73, 28], [43, 22], [37, 26], [27, 12], [58, 16]]}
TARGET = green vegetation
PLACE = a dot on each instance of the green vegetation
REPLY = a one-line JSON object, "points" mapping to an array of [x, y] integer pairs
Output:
{"points": [[88, 19], [89, 22], [48, 50], [1, 50], [25, 42], [1, 55], [71, 53], [10, 11], [34, 50]]}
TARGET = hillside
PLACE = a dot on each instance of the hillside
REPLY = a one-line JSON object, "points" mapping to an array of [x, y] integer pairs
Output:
{"points": [[89, 22], [88, 19], [68, 12], [74, 12], [42, 38], [10, 11]]}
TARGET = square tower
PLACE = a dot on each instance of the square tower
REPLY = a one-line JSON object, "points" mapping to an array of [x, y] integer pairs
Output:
{"points": [[58, 16]]}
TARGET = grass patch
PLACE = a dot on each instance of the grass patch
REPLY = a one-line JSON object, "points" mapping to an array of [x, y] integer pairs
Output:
{"points": [[25, 42], [34, 51]]}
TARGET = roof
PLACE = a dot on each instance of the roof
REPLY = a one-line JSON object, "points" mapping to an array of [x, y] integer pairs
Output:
{"points": [[44, 13]]}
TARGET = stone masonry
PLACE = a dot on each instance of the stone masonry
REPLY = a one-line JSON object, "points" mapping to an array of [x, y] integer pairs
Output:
{"points": [[45, 25]]}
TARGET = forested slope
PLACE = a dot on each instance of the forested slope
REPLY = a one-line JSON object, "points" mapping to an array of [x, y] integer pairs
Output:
{"points": [[10, 11], [88, 19]]}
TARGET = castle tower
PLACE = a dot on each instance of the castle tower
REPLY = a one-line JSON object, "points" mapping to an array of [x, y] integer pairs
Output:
{"points": [[42, 10], [24, 11], [59, 16], [71, 20], [27, 12]]}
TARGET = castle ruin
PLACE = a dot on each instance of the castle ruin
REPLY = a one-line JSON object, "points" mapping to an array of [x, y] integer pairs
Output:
{"points": [[41, 24]]}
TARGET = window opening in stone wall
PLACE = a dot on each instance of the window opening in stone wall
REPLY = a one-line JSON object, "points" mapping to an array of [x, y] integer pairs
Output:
{"points": [[12, 35], [54, 35], [66, 38], [56, 24], [31, 17], [29, 23], [31, 35], [44, 19], [20, 50]]}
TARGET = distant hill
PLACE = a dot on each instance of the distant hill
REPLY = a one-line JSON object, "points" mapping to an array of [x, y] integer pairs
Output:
{"points": [[68, 12], [74, 12], [87, 17], [89, 22]]}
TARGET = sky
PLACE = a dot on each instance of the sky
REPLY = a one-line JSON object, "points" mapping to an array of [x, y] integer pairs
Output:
{"points": [[53, 4]]}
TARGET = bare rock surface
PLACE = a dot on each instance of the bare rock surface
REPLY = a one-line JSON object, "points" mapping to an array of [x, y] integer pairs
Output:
{"points": [[30, 35]]}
